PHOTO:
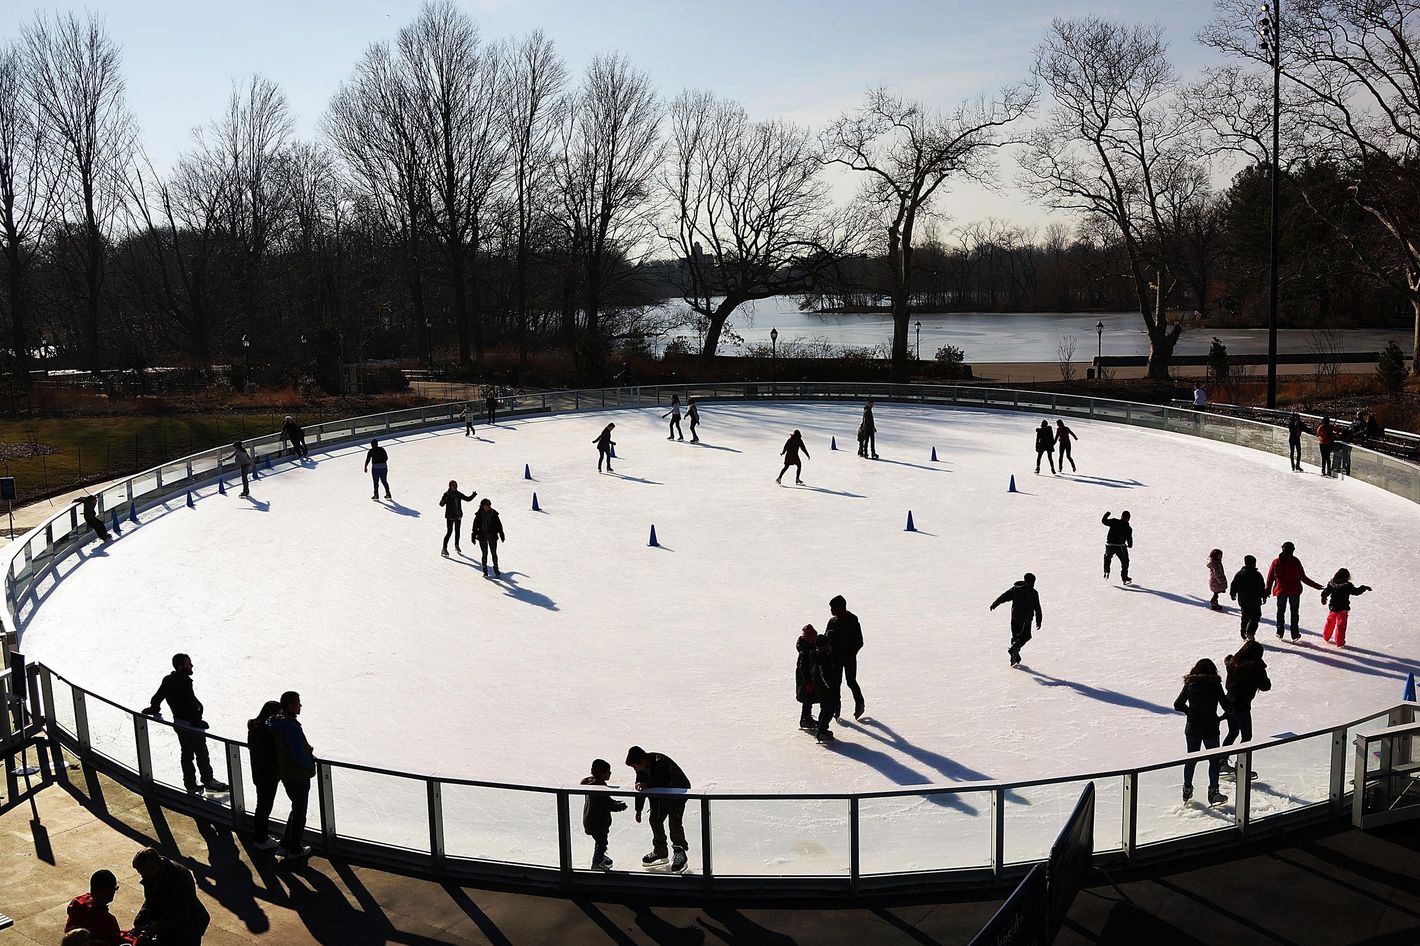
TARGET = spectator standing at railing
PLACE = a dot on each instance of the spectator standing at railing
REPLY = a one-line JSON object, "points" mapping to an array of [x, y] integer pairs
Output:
{"points": [[265, 773], [1249, 590], [171, 914], [89, 911], [377, 461], [1200, 397], [490, 403], [655, 770], [243, 459], [1285, 577], [292, 433], [1044, 445], [1326, 443], [1295, 429], [297, 766], [1201, 698], [1063, 436], [90, 506], [186, 708]]}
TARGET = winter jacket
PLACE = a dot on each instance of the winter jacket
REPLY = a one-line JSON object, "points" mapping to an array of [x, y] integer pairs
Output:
{"points": [[453, 501], [85, 914], [486, 524], [827, 673], [291, 431], [792, 446], [1249, 590], [662, 772], [1285, 576], [845, 634], [241, 457], [1217, 578], [1295, 429], [1120, 531], [604, 442], [265, 768], [1201, 697], [1247, 674], [868, 427], [597, 809], [693, 412], [1063, 436], [1325, 435], [294, 760], [176, 688], [1044, 438], [1025, 603], [171, 910], [804, 689], [1340, 595], [377, 456]]}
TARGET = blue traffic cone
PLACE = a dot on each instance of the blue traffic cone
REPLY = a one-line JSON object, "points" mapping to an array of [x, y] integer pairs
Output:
{"points": [[536, 507], [268, 461], [910, 526], [133, 514], [934, 454], [113, 523], [833, 443], [527, 472], [1410, 689], [190, 503], [222, 486], [653, 543], [1012, 487]]}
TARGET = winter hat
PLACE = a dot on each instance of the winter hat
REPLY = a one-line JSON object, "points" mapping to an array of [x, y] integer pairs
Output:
{"points": [[808, 630]]}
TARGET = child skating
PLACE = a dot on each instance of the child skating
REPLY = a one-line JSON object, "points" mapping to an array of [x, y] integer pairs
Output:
{"points": [[792, 447], [692, 414], [674, 415], [604, 444], [1217, 578], [1249, 590], [597, 810], [1337, 596]]}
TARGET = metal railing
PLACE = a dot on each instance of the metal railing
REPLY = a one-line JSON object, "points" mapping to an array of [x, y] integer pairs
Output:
{"points": [[913, 838]]}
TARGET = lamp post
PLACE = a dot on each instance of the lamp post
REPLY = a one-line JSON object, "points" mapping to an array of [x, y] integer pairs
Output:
{"points": [[1099, 350], [304, 360], [1269, 28], [429, 343], [773, 358], [919, 339], [44, 355], [246, 352]]}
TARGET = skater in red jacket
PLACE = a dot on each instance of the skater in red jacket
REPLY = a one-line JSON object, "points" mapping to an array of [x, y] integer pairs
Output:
{"points": [[1285, 578]]}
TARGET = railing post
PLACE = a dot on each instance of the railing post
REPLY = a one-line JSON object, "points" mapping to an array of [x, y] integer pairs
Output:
{"points": [[1339, 759], [564, 837], [234, 779], [436, 823], [1242, 809], [144, 747], [854, 845], [158, 478], [1129, 821], [707, 860], [325, 787], [189, 471], [81, 720], [998, 830]]}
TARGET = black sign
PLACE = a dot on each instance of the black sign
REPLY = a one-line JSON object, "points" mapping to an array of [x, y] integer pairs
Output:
{"points": [[17, 674], [1022, 919], [7, 488]]}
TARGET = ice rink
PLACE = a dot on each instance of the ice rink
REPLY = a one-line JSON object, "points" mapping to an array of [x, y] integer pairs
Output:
{"points": [[593, 641]]}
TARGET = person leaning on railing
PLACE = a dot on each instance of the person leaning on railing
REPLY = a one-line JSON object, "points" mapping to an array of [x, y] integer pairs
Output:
{"points": [[186, 708], [297, 765]]}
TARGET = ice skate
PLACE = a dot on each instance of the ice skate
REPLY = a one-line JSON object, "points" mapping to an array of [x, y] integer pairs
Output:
{"points": [[1217, 798], [496, 572], [292, 854], [603, 864], [445, 553], [485, 571], [1127, 580], [655, 857], [678, 861], [215, 785], [266, 844], [1215, 606], [798, 482], [1187, 794], [824, 735]]}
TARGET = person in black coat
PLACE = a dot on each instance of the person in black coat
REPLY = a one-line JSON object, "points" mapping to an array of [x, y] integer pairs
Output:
{"points": [[453, 501], [292, 433], [692, 414], [265, 773], [1200, 699], [186, 708], [490, 403], [845, 635], [655, 770], [1063, 436], [1295, 429], [171, 914], [1247, 674], [792, 448], [90, 508], [827, 682], [597, 810], [1025, 606], [488, 529], [604, 444], [804, 689], [1249, 590], [1044, 445], [1117, 542]]}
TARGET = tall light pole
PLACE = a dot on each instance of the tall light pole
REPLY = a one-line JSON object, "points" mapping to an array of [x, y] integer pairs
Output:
{"points": [[429, 343], [773, 358], [919, 339], [1099, 350], [1269, 27], [246, 352]]}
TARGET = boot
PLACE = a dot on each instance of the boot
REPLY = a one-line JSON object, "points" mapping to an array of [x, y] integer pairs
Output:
{"points": [[655, 857], [1216, 797], [678, 861]]}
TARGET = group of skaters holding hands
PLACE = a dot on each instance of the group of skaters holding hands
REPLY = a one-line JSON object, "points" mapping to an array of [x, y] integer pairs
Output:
{"points": [[1333, 440]]}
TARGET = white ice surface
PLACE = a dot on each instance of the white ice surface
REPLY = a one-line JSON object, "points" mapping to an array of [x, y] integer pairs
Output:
{"points": [[594, 641]]}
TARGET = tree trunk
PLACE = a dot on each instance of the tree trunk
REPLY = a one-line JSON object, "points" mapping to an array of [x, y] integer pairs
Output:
{"points": [[460, 287], [716, 328], [1161, 344], [1415, 340], [19, 319]]}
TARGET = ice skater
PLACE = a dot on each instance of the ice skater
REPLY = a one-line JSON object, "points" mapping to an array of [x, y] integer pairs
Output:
{"points": [[804, 689], [467, 415], [490, 405], [868, 433], [292, 433], [1285, 578], [90, 506], [186, 708], [1063, 436], [1044, 446], [692, 414], [845, 634], [377, 461], [488, 529], [1118, 541], [1337, 595], [1201, 698], [244, 463], [1295, 429], [1025, 606], [1249, 590], [674, 415], [453, 501], [1246, 675], [604, 446], [828, 684], [597, 809], [1326, 443], [1217, 578], [654, 770], [792, 448]]}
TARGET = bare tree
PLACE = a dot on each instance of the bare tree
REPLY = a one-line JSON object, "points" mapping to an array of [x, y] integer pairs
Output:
{"points": [[1065, 357], [1118, 147], [79, 91], [908, 153], [609, 150], [747, 209]]}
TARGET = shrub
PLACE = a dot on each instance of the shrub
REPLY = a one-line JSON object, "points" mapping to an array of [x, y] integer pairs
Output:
{"points": [[951, 355], [1218, 366], [1390, 369]]}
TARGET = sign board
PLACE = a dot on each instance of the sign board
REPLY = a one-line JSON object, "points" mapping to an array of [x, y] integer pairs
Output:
{"points": [[1022, 919], [7, 488], [17, 674]]}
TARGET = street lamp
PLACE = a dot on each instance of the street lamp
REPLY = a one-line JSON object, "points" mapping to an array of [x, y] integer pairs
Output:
{"points": [[429, 343], [1269, 28], [919, 339], [246, 352], [773, 357], [1099, 349], [44, 355]]}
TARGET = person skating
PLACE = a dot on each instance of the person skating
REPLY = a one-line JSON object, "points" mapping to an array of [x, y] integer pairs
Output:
{"points": [[868, 433], [488, 529], [792, 448], [804, 689], [490, 405], [1337, 596], [845, 635], [453, 501], [674, 415], [90, 511], [1200, 699], [377, 461], [186, 708], [1295, 429], [1217, 578], [828, 686], [604, 444], [655, 770], [292, 433], [467, 415], [171, 914], [1246, 675], [89, 911], [1063, 436], [244, 462], [297, 766], [265, 773], [692, 414], [597, 809], [1249, 590], [1326, 443], [1025, 606], [1200, 397], [1118, 541], [1044, 446], [1285, 578]]}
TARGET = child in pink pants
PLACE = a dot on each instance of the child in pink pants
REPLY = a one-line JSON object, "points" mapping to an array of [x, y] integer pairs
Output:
{"points": [[1337, 595]]}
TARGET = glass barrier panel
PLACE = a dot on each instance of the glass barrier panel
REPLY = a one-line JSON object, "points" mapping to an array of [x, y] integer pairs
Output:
{"points": [[281, 805], [63, 708], [1035, 814], [175, 474], [111, 733], [1147, 415], [373, 806], [205, 464], [113, 497], [1290, 776], [499, 824], [1373, 760], [627, 841], [143, 485], [939, 831], [1162, 814], [764, 837], [166, 749]]}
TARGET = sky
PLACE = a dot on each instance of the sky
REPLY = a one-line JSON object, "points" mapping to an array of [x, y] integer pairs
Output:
{"points": [[806, 61]]}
